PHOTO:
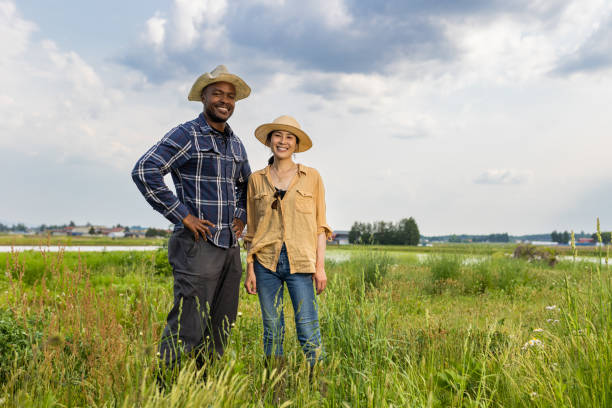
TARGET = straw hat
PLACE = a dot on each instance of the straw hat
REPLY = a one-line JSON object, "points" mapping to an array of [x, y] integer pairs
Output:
{"points": [[288, 124], [219, 74]]}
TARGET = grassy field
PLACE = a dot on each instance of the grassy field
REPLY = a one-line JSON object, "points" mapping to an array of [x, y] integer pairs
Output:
{"points": [[446, 329], [43, 241]]}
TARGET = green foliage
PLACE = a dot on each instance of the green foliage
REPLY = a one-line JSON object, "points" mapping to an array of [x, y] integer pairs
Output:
{"points": [[387, 344], [606, 237], [15, 346], [460, 275], [162, 266], [370, 265], [532, 253], [560, 237], [405, 232], [153, 232], [444, 271]]}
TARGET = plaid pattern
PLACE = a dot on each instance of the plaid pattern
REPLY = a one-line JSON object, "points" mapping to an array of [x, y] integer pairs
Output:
{"points": [[210, 171]]}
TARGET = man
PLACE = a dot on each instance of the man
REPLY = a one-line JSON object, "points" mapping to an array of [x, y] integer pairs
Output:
{"points": [[210, 171]]}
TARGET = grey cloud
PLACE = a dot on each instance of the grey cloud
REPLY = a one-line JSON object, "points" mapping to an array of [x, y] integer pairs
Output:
{"points": [[292, 34], [595, 54]]}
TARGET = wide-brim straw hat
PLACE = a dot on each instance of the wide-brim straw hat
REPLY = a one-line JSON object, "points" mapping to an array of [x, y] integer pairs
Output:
{"points": [[288, 124], [219, 74]]}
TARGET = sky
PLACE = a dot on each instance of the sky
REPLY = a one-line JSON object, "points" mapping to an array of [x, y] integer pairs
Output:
{"points": [[477, 117]]}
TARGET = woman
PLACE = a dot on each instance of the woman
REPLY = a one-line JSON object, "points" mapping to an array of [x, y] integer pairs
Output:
{"points": [[286, 234]]}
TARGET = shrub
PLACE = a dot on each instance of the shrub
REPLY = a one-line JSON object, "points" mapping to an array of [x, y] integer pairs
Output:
{"points": [[15, 347], [162, 266], [445, 271], [370, 264], [532, 253]]}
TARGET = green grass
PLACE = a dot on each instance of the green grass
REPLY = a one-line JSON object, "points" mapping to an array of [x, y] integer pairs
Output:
{"points": [[43, 241], [87, 330]]}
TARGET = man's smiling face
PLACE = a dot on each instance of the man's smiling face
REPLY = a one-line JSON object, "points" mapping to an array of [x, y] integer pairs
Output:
{"points": [[219, 100]]}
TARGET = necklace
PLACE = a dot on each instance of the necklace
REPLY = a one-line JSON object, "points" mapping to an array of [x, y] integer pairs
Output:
{"points": [[283, 179]]}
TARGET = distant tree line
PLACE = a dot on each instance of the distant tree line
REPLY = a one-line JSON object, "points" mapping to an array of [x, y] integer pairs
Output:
{"points": [[560, 237], [15, 227], [405, 232], [153, 232], [492, 238], [606, 237]]}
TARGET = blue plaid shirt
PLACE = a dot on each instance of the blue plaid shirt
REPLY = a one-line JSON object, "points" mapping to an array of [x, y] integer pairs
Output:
{"points": [[210, 171]]}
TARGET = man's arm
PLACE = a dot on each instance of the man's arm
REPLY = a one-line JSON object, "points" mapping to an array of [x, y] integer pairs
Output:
{"points": [[148, 173], [240, 213]]}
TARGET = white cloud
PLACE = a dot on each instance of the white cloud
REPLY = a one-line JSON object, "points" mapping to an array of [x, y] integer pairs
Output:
{"points": [[14, 31], [504, 177], [333, 12], [493, 105], [196, 20], [156, 30]]}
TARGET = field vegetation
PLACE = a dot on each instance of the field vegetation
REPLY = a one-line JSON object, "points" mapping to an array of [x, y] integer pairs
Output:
{"points": [[45, 241], [443, 329]]}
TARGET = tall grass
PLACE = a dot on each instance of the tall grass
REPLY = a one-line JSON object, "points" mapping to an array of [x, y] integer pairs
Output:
{"points": [[488, 337]]}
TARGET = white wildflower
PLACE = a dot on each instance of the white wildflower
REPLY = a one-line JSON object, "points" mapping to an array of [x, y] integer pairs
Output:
{"points": [[553, 307], [158, 354], [538, 330], [533, 343], [239, 314], [533, 394], [180, 341], [141, 333]]}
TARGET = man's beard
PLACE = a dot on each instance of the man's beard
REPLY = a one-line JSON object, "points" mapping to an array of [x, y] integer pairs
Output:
{"points": [[210, 113]]}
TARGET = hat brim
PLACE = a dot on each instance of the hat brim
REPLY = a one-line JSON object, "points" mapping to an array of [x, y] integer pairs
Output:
{"points": [[261, 133], [242, 89]]}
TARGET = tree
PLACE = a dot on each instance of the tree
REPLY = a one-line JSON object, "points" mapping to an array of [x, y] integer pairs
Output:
{"points": [[606, 237], [92, 231], [72, 224], [409, 232]]}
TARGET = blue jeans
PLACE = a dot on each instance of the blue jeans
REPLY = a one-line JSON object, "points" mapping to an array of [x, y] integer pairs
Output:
{"points": [[301, 291]]}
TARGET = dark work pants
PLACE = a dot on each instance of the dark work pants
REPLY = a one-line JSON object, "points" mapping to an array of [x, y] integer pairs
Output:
{"points": [[206, 288]]}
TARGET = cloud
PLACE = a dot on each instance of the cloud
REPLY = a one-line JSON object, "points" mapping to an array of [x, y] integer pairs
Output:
{"points": [[594, 54], [156, 30], [504, 177]]}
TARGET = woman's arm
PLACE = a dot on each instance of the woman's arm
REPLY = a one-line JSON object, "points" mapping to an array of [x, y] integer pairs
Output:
{"points": [[250, 283], [319, 277]]}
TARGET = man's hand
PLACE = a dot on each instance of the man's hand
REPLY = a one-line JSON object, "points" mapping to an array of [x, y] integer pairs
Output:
{"points": [[238, 227], [320, 279], [197, 226], [250, 283]]}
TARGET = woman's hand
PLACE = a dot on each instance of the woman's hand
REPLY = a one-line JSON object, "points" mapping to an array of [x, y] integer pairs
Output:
{"points": [[250, 283], [320, 279]]}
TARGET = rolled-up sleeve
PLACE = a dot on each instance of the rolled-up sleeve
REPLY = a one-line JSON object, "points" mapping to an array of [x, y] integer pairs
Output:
{"points": [[322, 226], [148, 173]]}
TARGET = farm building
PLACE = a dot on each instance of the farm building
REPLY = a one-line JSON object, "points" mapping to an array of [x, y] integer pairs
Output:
{"points": [[340, 238]]}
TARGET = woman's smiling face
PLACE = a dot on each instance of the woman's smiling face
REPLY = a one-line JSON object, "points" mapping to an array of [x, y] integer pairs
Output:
{"points": [[283, 144]]}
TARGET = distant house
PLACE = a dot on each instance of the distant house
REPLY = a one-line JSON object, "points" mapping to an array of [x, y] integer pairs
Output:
{"points": [[79, 231], [585, 241], [136, 231], [340, 238], [116, 233]]}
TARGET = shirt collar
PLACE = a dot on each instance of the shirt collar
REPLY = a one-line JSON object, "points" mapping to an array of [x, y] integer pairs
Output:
{"points": [[208, 130], [301, 169]]}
